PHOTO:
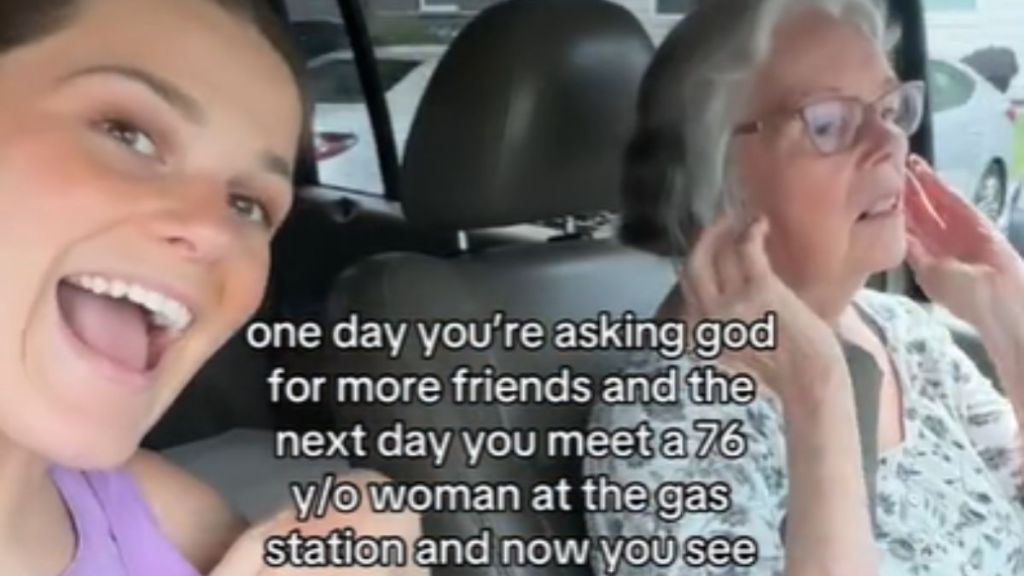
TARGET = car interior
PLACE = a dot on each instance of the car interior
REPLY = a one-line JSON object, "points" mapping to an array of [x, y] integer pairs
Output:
{"points": [[524, 120]]}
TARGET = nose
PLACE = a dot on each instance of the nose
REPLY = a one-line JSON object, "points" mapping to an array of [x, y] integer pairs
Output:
{"points": [[194, 223], [881, 141]]}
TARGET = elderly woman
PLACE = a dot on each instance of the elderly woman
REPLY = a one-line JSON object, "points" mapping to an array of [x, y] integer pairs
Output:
{"points": [[780, 130]]}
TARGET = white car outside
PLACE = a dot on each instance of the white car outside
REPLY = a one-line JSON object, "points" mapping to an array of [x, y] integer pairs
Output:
{"points": [[357, 168], [972, 126], [973, 135]]}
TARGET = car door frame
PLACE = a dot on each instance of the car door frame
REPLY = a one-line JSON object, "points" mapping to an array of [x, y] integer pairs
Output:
{"points": [[357, 28], [910, 60]]}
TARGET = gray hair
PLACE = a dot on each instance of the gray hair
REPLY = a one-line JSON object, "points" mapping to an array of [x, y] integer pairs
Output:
{"points": [[678, 175]]}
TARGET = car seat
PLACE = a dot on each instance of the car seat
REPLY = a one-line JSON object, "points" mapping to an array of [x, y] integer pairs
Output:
{"points": [[526, 119]]}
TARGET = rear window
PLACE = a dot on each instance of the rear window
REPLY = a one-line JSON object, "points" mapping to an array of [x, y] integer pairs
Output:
{"points": [[333, 79], [319, 36], [409, 36]]}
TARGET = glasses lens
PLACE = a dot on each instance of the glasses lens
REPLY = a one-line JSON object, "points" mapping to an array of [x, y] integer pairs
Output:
{"points": [[903, 107], [910, 111], [831, 124]]}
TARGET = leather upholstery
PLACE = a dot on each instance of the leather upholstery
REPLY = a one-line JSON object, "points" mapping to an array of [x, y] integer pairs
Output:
{"points": [[526, 116]]}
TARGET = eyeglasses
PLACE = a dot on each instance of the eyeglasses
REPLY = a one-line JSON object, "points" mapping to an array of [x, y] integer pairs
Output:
{"points": [[834, 125]]}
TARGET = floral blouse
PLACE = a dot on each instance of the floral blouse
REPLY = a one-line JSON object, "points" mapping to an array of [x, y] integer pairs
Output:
{"points": [[949, 499]]}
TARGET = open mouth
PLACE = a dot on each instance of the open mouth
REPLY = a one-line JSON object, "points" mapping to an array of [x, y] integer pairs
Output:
{"points": [[127, 324], [882, 208]]}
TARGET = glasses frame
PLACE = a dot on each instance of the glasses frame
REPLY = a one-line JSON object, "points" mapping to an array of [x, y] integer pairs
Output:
{"points": [[917, 87]]}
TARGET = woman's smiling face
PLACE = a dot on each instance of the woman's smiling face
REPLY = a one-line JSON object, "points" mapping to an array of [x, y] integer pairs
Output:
{"points": [[145, 153]]}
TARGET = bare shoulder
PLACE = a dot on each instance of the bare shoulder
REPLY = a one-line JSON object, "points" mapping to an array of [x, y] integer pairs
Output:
{"points": [[192, 515]]}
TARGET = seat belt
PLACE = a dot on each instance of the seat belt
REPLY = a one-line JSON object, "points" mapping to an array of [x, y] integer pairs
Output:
{"points": [[866, 378]]}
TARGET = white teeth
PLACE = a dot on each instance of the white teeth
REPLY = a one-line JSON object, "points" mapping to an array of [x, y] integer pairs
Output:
{"points": [[165, 312], [136, 293]]}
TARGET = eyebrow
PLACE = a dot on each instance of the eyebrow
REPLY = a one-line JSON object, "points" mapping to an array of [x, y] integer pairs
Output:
{"points": [[183, 102], [277, 165], [796, 97], [186, 104]]}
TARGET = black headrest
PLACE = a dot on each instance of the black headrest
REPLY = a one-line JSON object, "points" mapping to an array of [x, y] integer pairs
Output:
{"points": [[527, 116]]}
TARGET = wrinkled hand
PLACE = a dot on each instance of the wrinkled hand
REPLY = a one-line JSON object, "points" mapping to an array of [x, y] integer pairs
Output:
{"points": [[729, 276], [959, 258]]}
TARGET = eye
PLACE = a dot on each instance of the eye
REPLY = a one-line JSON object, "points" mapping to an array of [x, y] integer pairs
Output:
{"points": [[907, 111], [891, 109], [130, 136], [248, 208], [827, 124]]}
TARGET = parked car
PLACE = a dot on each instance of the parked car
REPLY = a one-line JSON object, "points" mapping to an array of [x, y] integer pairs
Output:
{"points": [[346, 149], [973, 135]]}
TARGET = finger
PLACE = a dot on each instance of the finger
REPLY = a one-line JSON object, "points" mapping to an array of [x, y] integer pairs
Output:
{"points": [[921, 218], [918, 194], [700, 270], [731, 277], [918, 255], [692, 306], [754, 253], [948, 205], [919, 204], [965, 232]]}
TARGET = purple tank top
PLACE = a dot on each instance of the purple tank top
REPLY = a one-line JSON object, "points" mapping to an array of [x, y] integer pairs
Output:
{"points": [[116, 532]]}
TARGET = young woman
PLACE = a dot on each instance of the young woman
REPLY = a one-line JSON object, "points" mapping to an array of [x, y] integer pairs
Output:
{"points": [[146, 158], [775, 133]]}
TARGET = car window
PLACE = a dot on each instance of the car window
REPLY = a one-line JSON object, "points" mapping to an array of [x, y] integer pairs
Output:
{"points": [[975, 48], [319, 36], [344, 144], [333, 78], [973, 72], [408, 37], [658, 16], [948, 87]]}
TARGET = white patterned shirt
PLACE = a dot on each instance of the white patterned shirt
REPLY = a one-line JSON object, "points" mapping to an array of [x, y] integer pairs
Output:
{"points": [[949, 498]]}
